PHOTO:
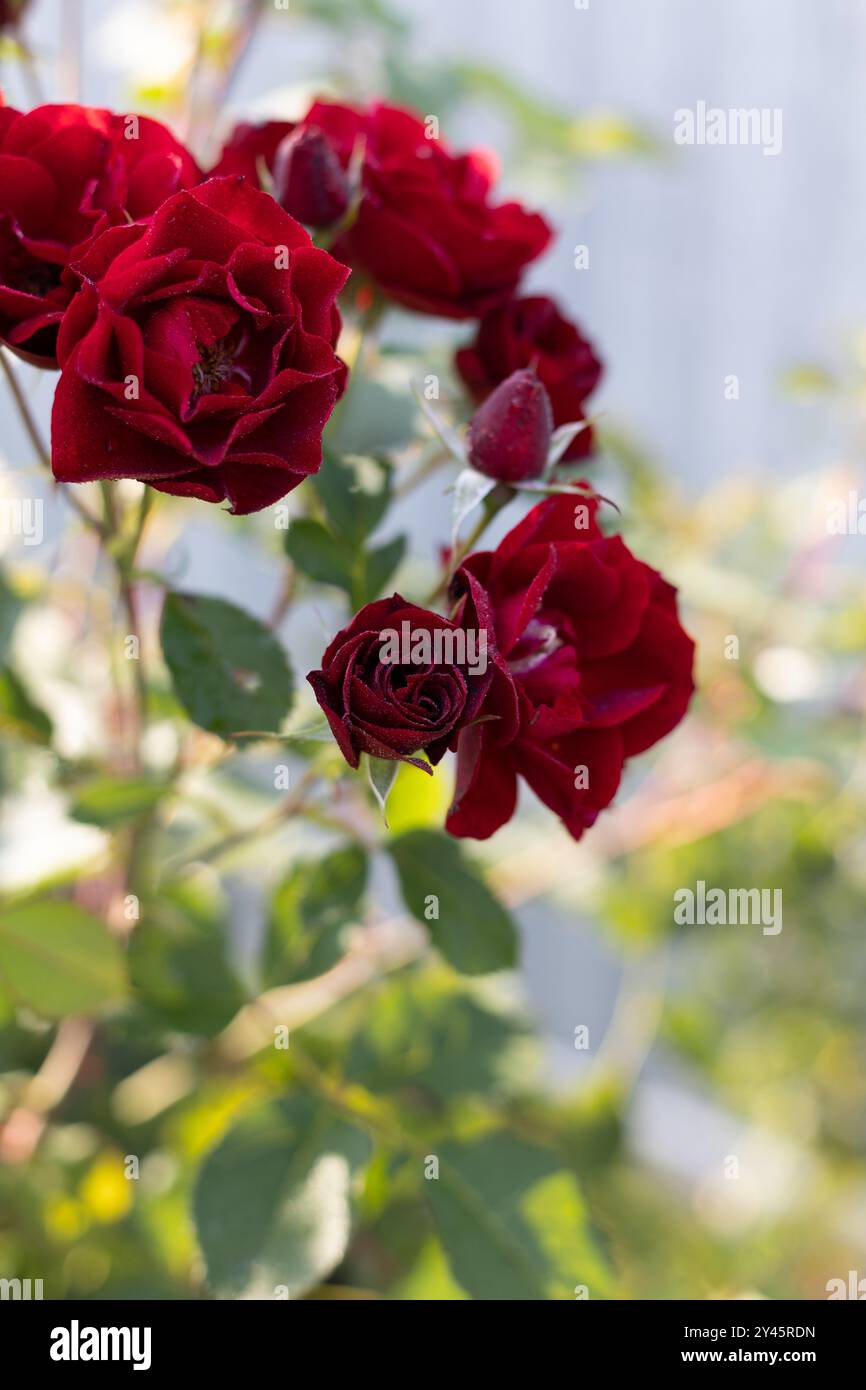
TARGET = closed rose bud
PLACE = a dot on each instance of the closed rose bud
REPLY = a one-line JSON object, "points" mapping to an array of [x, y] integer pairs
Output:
{"points": [[309, 180], [509, 436]]}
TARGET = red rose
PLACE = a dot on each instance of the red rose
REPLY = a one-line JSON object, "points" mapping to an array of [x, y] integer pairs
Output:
{"points": [[601, 667], [510, 434], [198, 354], [426, 230], [400, 679], [249, 144], [531, 332], [66, 172]]}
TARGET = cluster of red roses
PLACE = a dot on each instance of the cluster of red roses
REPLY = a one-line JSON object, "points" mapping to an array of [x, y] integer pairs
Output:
{"points": [[195, 326]]}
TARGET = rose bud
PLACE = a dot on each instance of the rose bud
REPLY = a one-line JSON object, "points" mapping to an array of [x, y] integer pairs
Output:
{"points": [[509, 436], [400, 679], [309, 180], [530, 331]]}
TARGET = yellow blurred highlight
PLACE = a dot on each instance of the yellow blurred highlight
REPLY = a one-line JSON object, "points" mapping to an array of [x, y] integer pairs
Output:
{"points": [[64, 1218], [105, 1190], [418, 800]]}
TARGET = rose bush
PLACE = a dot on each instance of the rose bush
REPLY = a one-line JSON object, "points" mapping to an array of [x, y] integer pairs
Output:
{"points": [[67, 172], [198, 354]]}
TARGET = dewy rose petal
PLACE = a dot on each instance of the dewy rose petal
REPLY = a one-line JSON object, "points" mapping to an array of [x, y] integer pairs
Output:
{"points": [[67, 172], [198, 354], [601, 667]]}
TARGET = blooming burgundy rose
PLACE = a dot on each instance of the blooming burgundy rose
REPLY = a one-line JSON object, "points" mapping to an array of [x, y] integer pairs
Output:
{"points": [[67, 172], [427, 231], [601, 667], [509, 435], [249, 145], [400, 679], [531, 332], [198, 354]]}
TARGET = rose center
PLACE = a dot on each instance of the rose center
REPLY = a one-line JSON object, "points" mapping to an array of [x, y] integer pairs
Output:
{"points": [[537, 643], [38, 278], [216, 365]]}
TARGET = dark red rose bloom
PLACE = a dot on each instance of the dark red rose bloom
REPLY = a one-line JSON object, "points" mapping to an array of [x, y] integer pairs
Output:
{"points": [[247, 145], [601, 667], [67, 172], [531, 332], [198, 354], [378, 703], [510, 434], [427, 231]]}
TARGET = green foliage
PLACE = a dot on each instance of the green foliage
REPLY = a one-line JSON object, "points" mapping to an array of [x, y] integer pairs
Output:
{"points": [[355, 493], [180, 974], [309, 914], [229, 672], [513, 1223], [19, 716], [59, 960], [272, 1203], [472, 930], [110, 801]]}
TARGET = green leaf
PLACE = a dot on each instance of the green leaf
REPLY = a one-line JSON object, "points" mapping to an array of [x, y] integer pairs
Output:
{"points": [[428, 1036], [513, 1222], [318, 554], [355, 492], [374, 416], [468, 925], [112, 800], [229, 671], [309, 913], [179, 971], [18, 714], [58, 959], [382, 772], [273, 1201], [341, 562]]}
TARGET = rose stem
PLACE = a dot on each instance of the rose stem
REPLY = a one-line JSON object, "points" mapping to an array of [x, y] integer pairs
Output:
{"points": [[493, 503]]}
